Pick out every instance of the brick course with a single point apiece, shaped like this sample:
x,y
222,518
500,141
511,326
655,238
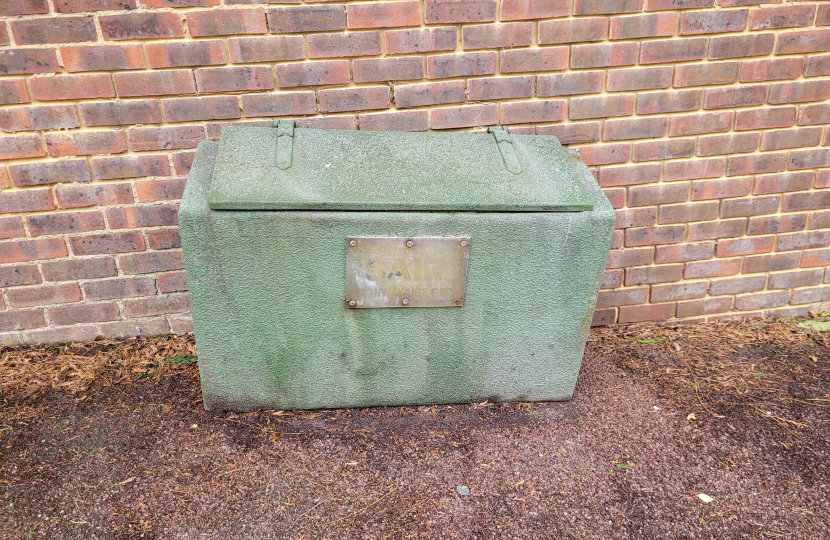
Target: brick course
x,y
705,122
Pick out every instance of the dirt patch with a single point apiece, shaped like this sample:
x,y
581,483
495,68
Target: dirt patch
x,y
120,447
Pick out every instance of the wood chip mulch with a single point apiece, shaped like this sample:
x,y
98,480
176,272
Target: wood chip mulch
x,y
109,440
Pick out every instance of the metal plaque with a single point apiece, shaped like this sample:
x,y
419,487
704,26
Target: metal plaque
x,y
421,271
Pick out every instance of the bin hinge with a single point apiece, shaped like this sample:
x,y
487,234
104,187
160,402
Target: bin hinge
x,y
285,142
508,151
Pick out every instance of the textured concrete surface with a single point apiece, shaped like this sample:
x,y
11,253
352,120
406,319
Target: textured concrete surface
x,y
272,329
371,170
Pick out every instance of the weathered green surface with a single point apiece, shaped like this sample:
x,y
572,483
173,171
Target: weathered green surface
x,y
272,329
370,170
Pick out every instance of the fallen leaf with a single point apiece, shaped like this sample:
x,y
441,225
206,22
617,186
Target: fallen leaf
x,y
705,498
691,417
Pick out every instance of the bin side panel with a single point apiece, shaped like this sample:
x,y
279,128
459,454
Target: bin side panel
x,y
273,331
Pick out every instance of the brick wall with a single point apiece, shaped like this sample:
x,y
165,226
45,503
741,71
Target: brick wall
x,y
705,122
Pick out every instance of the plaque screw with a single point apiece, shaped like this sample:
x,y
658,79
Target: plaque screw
x,y
410,243
463,243
353,243
352,303
405,301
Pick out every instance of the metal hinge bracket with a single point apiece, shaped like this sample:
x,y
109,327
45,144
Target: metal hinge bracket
x,y
508,152
285,142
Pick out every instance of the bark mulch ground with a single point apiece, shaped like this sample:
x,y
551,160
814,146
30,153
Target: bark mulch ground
x,y
109,440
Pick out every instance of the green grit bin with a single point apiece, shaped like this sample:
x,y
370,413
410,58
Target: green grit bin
x,y
268,218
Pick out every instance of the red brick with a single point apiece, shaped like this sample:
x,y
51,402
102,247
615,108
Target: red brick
x,y
86,313
299,19
465,116
32,250
680,291
77,196
61,335
658,194
781,17
741,46
624,297
809,159
165,138
712,230
552,110
661,5
566,84
652,312
154,83
573,31
54,30
417,95
200,108
644,26
640,79
188,53
605,154
745,246
661,150
234,79
818,66
799,278
637,128
685,252
706,306
706,74
697,169
684,213
187,3
538,59
226,22
573,133
15,276
802,41
696,124
501,88
761,301
167,238
628,175
120,113
266,49
313,73
817,257
343,44
44,294
636,217
172,282
489,36
649,236
71,87
157,305
803,240
72,269
810,296
602,106
595,7
388,69
737,285
723,98
453,11
512,10
281,104
670,101
49,172
416,40
384,15
38,117
822,179
673,50
604,55
182,162
732,143
65,223
180,324
12,8
799,92
823,16
818,220
13,91
395,121
713,22
770,263
705,269
151,262
354,99
611,279
461,65
109,289
85,143
771,70
750,207
11,227
81,6
109,168
616,196
148,25
30,200
23,146
758,164
779,183
15,61
775,117
102,57
623,258
777,224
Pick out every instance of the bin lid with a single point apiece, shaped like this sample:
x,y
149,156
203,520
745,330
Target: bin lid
x,y
282,168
